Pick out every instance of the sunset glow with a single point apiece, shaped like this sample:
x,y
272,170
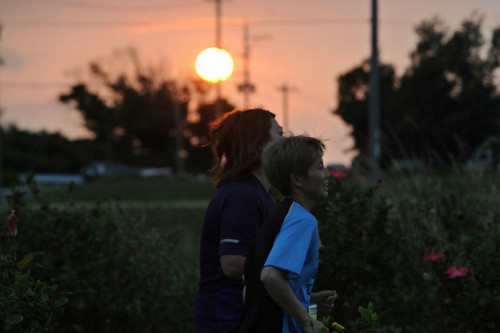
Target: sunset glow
x,y
47,46
214,64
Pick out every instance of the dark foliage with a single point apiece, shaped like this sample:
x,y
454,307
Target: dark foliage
x,y
443,107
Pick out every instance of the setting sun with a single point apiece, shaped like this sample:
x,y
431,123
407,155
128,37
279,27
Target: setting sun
x,y
214,64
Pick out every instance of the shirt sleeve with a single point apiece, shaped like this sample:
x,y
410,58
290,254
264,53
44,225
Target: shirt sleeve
x,y
240,221
291,245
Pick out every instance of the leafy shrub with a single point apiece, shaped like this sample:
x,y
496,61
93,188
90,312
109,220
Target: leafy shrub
x,y
123,276
389,246
377,241
26,304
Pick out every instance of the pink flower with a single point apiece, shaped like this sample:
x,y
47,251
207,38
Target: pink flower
x,y
337,174
456,272
434,256
12,225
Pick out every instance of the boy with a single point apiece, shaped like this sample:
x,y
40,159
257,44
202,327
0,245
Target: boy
x,y
282,266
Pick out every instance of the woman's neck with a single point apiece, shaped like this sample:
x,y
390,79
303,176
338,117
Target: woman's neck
x,y
259,173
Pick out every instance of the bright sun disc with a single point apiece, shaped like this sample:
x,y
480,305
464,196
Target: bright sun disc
x,y
214,64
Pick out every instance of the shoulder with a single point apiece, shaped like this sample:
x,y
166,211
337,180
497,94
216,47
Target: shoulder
x,y
299,220
243,187
297,213
241,194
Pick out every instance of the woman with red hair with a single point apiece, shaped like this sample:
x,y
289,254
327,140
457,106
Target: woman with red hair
x,y
233,217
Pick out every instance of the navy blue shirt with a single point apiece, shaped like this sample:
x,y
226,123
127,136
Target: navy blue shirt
x,y
231,223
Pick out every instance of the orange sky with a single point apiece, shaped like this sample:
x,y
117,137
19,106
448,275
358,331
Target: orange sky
x,y
304,44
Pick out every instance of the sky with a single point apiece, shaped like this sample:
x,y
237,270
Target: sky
x,y
46,45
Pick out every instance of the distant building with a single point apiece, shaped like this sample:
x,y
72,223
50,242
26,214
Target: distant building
x,y
54,179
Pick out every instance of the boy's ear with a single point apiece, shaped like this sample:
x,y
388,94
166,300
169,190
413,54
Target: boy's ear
x,y
295,180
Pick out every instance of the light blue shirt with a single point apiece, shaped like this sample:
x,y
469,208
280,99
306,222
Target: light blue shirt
x,y
296,252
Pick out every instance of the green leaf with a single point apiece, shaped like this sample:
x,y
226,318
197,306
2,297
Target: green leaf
x,y
61,301
25,261
483,301
14,319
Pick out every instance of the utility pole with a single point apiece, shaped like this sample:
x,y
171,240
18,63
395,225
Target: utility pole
x,y
374,105
1,131
218,44
285,89
247,87
179,149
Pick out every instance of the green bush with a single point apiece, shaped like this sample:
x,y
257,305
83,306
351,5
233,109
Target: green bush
x,y
376,239
122,275
26,304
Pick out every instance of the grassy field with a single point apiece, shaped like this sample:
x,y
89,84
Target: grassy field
x,y
147,190
168,204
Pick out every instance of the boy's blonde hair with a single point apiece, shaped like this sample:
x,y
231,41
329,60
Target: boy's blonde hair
x,y
290,155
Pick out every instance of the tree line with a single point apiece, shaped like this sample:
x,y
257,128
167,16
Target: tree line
x,y
444,106
132,116
137,115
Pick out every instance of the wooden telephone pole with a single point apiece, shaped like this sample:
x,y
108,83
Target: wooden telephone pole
x,y
218,44
374,104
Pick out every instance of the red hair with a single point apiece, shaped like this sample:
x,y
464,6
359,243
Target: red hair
x,y
237,139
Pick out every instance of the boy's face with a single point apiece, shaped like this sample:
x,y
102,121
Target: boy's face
x,y
315,186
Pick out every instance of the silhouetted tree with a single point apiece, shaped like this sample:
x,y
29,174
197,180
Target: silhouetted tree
x,y
353,98
132,113
444,105
42,152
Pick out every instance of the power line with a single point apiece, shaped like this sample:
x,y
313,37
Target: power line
x,y
206,25
93,24
317,21
106,6
229,22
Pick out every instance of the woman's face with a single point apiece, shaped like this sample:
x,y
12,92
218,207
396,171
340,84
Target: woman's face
x,y
276,131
